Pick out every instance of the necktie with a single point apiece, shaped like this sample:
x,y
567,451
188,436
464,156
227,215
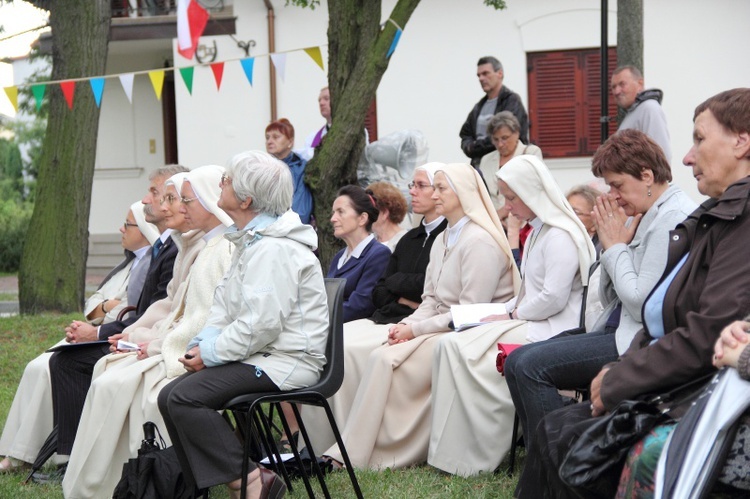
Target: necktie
x,y
157,247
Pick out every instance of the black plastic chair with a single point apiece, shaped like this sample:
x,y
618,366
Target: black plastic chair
x,y
257,428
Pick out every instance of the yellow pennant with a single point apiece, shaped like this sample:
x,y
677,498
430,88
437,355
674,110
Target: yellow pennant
x,y
315,55
157,81
12,93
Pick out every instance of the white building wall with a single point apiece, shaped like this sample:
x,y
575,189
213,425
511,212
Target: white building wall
x,y
691,52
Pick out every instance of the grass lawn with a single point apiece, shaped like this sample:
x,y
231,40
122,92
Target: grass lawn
x,y
23,338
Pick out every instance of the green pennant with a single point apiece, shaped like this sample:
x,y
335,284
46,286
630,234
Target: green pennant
x,y
187,77
38,91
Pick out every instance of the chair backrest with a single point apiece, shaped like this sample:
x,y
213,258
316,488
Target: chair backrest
x,y
333,372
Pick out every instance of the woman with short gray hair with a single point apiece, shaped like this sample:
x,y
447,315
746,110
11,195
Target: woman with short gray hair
x,y
266,330
505,131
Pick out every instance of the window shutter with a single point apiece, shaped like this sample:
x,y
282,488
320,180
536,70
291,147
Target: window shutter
x,y
553,103
565,101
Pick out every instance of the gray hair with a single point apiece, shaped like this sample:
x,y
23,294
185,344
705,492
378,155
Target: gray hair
x,y
265,179
634,71
488,59
167,171
501,119
586,192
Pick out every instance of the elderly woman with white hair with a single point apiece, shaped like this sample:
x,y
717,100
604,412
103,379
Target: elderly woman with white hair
x,y
29,420
472,414
123,393
266,330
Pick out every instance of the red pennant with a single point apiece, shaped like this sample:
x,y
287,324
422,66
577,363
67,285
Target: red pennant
x,y
197,18
218,69
68,89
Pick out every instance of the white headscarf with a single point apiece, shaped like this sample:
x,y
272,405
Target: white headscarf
x,y
430,169
477,205
148,229
205,183
176,180
532,181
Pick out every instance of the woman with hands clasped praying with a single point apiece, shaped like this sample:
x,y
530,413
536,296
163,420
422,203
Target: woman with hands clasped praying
x,y
632,223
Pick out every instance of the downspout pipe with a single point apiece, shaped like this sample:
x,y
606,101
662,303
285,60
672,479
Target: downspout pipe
x,y
271,50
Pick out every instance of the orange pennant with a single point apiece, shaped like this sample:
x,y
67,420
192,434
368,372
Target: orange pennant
x,y
68,89
218,69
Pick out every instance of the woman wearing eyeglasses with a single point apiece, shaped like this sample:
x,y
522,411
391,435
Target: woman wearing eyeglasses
x,y
30,416
505,131
123,393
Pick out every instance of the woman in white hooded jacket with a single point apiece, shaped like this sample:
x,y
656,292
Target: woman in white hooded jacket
x,y
266,331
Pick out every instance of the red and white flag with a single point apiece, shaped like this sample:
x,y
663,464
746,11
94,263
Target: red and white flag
x,y
191,21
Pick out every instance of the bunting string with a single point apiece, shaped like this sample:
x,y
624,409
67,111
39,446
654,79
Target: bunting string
x,y
157,77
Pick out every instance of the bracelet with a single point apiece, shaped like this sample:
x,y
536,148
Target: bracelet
x,y
105,301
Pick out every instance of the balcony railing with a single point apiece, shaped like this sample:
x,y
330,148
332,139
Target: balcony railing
x,y
150,8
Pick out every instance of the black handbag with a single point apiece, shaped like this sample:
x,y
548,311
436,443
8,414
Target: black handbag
x,y
593,463
155,473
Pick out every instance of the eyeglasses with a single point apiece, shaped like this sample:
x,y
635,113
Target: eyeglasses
x,y
128,224
169,199
225,180
188,200
419,186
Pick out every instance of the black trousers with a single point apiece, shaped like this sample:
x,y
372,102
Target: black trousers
x,y
209,451
70,372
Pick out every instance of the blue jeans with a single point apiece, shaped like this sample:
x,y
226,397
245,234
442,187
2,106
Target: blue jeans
x,y
567,362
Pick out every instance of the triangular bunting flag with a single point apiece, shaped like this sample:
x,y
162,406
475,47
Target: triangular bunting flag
x,y
191,21
396,38
12,93
315,55
68,89
38,91
126,80
247,67
218,69
97,86
279,62
157,81
187,77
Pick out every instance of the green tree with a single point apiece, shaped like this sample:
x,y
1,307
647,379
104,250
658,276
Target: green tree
x,y
53,265
357,59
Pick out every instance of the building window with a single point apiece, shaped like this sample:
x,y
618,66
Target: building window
x,y
565,101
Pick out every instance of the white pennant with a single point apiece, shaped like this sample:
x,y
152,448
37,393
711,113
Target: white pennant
x,y
279,62
126,80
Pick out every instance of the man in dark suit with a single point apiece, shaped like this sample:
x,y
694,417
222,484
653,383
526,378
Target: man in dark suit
x,y
71,369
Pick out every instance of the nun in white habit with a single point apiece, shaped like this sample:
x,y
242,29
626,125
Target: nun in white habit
x,y
472,416
123,394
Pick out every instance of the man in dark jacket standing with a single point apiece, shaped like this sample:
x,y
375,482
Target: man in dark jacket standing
x,y
474,139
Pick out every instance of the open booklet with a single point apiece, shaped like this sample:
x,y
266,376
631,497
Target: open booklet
x,y
468,316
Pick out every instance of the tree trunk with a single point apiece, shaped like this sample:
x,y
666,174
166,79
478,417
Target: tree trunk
x,y
629,37
357,48
630,33
53,266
